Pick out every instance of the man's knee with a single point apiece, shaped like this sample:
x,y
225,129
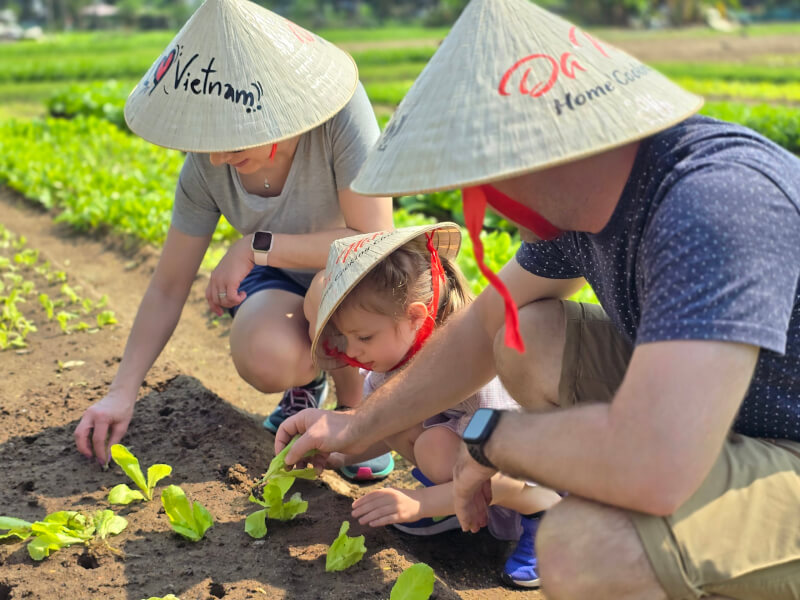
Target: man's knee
x,y
590,550
532,378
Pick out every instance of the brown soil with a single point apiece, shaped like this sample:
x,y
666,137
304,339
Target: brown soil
x,y
195,414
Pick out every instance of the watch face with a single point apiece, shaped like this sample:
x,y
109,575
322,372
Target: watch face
x,y
262,241
474,431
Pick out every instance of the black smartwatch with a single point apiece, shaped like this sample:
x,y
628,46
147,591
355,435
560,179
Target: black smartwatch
x,y
261,245
478,431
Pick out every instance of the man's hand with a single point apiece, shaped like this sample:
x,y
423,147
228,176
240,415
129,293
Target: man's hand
x,y
106,421
222,290
323,430
472,491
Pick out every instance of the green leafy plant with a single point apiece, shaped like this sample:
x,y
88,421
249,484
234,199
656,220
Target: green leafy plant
x,y
70,293
106,317
344,551
191,520
122,494
48,305
63,528
274,485
167,597
415,583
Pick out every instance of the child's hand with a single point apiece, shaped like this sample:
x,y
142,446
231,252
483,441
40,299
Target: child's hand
x,y
387,506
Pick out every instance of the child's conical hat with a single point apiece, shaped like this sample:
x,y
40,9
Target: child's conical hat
x,y
236,76
514,88
351,258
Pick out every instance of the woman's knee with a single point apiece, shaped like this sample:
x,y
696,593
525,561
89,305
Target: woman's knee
x,y
532,377
272,361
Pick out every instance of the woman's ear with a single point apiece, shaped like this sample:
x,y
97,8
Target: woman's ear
x,y
417,312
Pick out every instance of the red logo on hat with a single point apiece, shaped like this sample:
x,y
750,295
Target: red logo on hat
x,y
163,66
566,65
301,34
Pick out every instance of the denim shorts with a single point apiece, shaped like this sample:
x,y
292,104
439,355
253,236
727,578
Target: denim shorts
x,y
267,278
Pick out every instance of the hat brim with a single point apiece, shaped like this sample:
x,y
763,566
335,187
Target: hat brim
x,y
446,241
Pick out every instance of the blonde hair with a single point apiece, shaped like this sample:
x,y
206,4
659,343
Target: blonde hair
x,y
404,277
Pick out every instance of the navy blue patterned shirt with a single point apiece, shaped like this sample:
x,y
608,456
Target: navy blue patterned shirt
x,y
704,244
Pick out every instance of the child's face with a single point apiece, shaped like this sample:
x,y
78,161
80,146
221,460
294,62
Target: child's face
x,y
376,341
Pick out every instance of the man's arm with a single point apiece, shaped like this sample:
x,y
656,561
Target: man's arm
x,y
648,450
456,361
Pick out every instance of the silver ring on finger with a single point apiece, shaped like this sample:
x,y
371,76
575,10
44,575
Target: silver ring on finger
x,y
222,294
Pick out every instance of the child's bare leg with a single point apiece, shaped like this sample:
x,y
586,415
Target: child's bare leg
x,y
521,497
402,443
435,453
349,386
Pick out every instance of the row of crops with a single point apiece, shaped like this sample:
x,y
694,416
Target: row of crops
x,y
98,177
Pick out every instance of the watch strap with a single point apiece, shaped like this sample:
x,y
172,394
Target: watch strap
x,y
260,258
477,453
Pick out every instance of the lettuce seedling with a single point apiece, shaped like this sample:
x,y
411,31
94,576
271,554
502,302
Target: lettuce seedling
x,y
63,528
106,318
191,520
277,466
274,507
344,551
415,583
122,494
274,485
167,597
15,527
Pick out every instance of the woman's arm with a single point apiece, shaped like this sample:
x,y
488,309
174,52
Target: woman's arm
x,y
105,422
362,214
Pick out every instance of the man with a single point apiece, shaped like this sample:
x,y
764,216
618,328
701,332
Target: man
x,y
677,429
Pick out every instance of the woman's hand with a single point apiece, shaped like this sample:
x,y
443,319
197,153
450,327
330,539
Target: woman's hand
x,y
387,506
106,421
223,287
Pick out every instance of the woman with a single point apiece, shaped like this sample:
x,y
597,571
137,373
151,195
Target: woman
x,y
276,125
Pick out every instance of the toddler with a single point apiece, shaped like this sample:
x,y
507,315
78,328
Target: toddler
x,y
383,295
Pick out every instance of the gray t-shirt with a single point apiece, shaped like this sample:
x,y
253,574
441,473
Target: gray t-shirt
x,y
326,160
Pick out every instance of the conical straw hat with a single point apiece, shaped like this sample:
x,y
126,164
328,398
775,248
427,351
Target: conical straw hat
x,y
514,88
351,258
236,76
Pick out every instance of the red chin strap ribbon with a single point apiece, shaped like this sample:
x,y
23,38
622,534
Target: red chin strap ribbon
x,y
424,332
475,200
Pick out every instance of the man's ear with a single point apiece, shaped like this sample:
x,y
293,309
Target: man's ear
x,y
417,312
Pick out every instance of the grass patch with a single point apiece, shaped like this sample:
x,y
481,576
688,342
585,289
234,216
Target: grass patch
x,y
771,92
726,71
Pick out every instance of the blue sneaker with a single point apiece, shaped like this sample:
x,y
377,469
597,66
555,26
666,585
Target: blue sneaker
x,y
520,568
369,470
294,400
427,525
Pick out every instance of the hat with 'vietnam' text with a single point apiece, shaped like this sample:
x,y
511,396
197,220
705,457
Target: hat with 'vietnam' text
x,y
237,76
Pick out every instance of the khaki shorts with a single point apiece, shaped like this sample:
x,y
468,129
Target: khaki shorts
x,y
738,536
